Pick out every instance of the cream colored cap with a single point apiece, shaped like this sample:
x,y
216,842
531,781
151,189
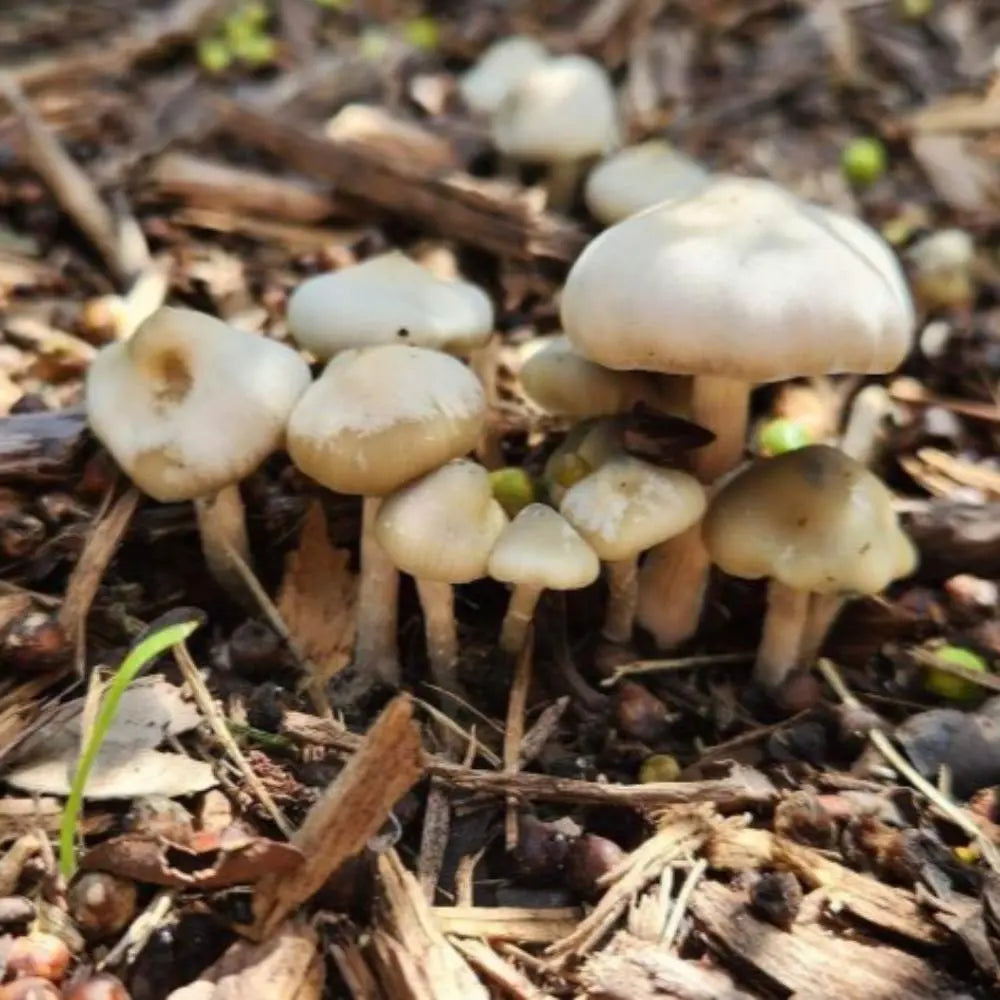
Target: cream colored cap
x,y
743,280
498,69
387,299
564,109
813,519
540,548
638,177
443,526
378,417
629,505
189,404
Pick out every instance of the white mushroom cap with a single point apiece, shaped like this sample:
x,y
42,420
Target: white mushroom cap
x,y
379,417
498,69
189,404
587,446
564,109
561,381
443,526
638,177
629,505
945,250
741,280
540,548
387,299
813,519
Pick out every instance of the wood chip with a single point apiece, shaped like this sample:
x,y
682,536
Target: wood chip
x,y
501,973
509,923
41,447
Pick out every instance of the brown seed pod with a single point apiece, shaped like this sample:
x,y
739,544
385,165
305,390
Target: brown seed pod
x,y
30,988
640,714
102,904
38,954
100,987
589,859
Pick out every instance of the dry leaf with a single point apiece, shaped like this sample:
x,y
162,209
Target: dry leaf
x,y
317,598
288,966
963,179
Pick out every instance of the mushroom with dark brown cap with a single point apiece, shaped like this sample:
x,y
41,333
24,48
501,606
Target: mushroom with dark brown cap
x,y
189,406
819,526
376,419
738,283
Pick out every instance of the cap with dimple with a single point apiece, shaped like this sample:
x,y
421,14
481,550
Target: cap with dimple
x,y
742,280
813,519
381,416
628,505
189,405
498,69
443,526
639,176
540,548
387,299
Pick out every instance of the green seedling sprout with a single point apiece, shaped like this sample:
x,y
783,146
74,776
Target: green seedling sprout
x,y
141,654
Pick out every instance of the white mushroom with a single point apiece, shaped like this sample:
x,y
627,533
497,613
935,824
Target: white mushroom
x,y
497,70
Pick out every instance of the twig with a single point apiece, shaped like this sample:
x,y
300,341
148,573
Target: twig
x,y
469,738
673,924
681,663
514,732
140,930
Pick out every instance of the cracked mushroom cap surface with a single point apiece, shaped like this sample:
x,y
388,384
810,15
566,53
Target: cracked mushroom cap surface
x,y
813,519
378,417
189,404
628,505
443,526
540,548
388,299
740,279
498,69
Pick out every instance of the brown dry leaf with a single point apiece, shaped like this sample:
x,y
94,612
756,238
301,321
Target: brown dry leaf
x,y
288,966
964,179
318,596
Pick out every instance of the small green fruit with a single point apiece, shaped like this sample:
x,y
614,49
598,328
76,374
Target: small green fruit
x,y
422,33
949,686
864,161
780,435
914,10
257,50
214,55
513,489
659,767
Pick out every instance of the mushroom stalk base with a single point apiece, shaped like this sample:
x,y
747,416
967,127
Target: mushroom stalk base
x,y
781,640
561,184
223,530
520,611
375,654
823,611
672,586
438,603
623,598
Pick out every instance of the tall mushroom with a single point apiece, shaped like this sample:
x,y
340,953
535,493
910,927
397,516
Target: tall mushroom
x,y
189,406
440,529
388,299
497,70
820,527
539,550
738,283
375,419
622,509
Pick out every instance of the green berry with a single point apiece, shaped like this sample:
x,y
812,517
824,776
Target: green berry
x,y
780,435
214,55
255,13
258,50
949,686
914,10
373,44
659,767
513,489
864,161
422,33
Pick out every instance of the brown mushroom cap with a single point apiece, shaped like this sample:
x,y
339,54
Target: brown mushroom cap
x,y
813,519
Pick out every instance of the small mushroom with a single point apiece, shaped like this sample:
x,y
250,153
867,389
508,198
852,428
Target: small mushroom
x,y
441,529
585,448
539,550
820,526
375,419
638,177
189,406
563,113
942,265
622,509
388,299
498,69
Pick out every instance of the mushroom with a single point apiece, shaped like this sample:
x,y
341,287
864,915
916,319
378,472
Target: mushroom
x,y
820,526
374,420
738,283
562,113
637,177
585,448
440,529
499,68
189,406
942,265
388,299
539,550
622,509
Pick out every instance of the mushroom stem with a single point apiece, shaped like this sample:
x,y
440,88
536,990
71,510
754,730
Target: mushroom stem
x,y
438,602
623,598
520,611
223,529
561,184
672,586
823,611
378,597
781,640
722,405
